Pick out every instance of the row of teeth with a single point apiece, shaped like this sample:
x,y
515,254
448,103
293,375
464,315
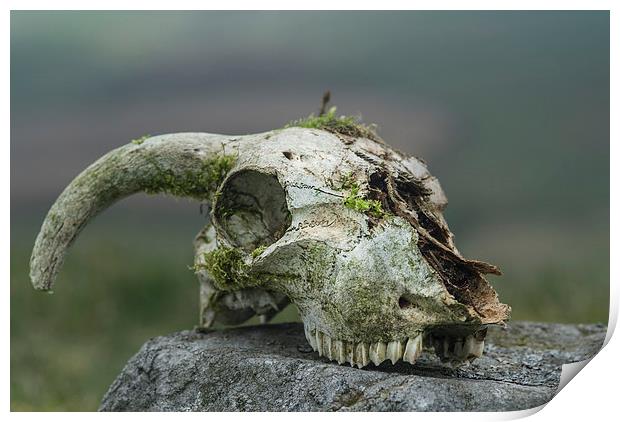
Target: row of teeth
x,y
449,349
361,354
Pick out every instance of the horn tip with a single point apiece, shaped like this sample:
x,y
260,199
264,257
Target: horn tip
x,y
40,280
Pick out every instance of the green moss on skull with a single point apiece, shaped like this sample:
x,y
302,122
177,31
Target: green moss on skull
x,y
199,183
344,125
356,201
256,252
140,140
227,268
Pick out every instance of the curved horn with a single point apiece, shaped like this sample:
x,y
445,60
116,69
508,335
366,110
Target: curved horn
x,y
186,164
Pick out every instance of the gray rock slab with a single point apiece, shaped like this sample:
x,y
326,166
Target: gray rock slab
x,y
272,368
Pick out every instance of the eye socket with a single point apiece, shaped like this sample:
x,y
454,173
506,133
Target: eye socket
x,y
251,210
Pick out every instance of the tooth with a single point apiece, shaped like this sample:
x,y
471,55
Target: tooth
x,y
310,337
350,352
413,349
446,345
348,356
319,342
468,346
339,351
473,347
377,352
458,349
361,355
479,349
395,350
356,358
327,346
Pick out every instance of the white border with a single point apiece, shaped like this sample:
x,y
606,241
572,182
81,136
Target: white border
x,y
314,5
592,394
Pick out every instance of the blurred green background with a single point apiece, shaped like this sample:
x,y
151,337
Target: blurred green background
x,y
510,110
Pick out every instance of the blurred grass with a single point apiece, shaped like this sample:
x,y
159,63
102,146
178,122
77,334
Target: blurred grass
x,y
124,283
120,286
112,295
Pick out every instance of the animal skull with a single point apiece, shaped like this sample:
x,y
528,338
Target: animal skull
x,y
348,229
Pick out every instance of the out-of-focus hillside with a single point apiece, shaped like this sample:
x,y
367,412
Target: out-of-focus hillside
x,y
510,110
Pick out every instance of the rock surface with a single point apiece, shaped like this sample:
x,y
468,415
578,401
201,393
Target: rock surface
x,y
272,368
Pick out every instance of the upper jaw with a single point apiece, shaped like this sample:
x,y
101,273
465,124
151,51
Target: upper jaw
x,y
455,349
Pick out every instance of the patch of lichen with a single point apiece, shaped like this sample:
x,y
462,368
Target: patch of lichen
x,y
227,268
344,125
358,202
200,182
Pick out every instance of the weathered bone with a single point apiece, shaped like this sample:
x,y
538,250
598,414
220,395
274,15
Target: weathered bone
x,y
172,163
345,227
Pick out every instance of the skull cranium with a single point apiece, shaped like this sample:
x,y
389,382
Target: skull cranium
x,y
348,229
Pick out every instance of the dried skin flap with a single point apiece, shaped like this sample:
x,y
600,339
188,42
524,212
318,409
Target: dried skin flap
x,y
409,198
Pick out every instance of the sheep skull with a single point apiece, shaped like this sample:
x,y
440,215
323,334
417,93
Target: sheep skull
x,y
345,227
